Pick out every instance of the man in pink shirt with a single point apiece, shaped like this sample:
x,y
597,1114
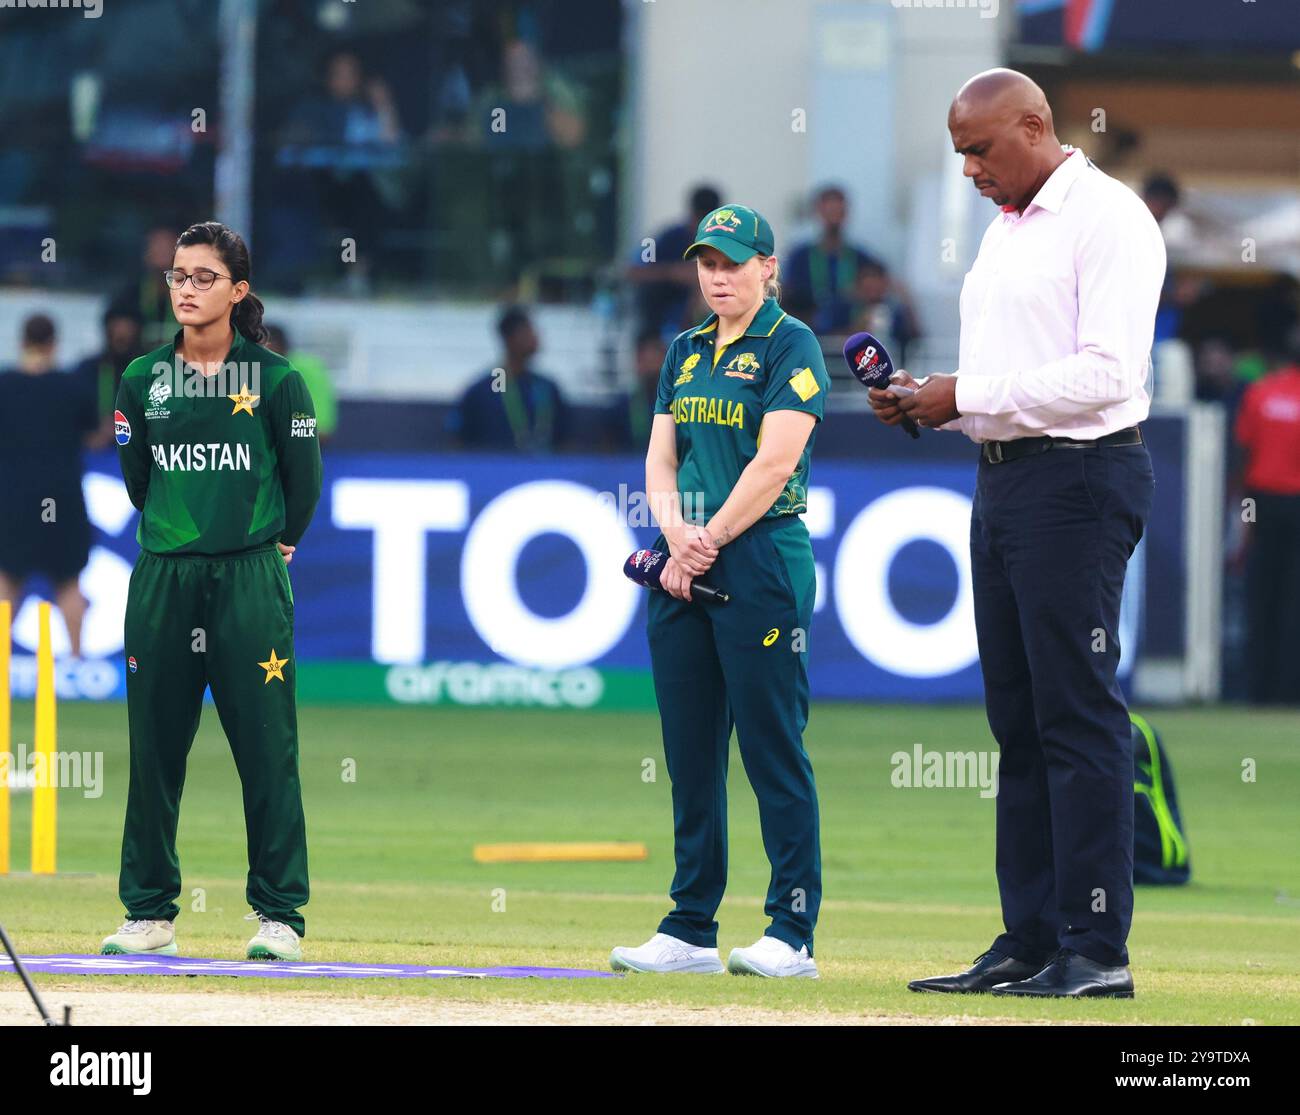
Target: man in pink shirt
x,y
1057,316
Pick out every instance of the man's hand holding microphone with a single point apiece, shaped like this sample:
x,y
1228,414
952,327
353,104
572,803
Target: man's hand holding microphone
x,y
897,398
929,404
886,403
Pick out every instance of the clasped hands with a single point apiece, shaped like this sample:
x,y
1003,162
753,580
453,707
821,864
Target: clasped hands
x,y
691,552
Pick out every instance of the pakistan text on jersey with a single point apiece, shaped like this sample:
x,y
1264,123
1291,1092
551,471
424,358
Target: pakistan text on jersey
x,y
211,456
720,412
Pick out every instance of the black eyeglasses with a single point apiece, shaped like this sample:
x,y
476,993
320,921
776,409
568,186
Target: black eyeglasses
x,y
200,280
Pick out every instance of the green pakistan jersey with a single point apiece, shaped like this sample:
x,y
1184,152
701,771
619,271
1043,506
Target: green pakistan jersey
x,y
218,464
718,395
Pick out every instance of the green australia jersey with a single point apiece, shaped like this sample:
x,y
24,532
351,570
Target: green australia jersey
x,y
220,463
718,396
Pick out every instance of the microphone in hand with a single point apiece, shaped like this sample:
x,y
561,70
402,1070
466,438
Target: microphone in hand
x,y
869,361
645,567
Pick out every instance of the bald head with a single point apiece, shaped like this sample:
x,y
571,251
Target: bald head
x,y
1002,93
1001,122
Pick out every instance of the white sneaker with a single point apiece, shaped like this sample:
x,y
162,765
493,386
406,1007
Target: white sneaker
x,y
769,957
663,953
138,936
274,940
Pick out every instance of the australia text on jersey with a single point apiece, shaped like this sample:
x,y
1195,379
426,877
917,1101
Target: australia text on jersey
x,y
698,408
184,381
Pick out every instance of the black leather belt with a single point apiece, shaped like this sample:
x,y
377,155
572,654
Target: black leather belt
x,y
997,452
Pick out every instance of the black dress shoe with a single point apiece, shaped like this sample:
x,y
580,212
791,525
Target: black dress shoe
x,y
1071,976
990,968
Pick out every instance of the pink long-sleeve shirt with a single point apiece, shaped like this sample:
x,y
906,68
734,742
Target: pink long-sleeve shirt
x,y
1058,312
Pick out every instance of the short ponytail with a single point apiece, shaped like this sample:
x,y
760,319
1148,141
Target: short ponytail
x,y
246,314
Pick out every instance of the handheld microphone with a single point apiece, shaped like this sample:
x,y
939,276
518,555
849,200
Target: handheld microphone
x,y
645,567
870,363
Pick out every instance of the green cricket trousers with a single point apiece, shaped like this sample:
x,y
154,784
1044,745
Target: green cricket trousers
x,y
225,622
741,664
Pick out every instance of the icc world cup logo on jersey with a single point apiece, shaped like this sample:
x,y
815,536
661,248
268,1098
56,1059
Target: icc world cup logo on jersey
x,y
159,392
687,365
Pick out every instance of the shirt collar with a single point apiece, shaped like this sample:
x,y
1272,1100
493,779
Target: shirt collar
x,y
769,316
1051,196
235,345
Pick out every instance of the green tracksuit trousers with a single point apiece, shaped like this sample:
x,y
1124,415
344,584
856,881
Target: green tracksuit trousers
x,y
741,664
224,622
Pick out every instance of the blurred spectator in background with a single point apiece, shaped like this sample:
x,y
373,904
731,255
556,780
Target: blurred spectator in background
x,y
667,284
529,120
319,385
881,308
541,109
100,374
1268,434
147,291
512,407
349,140
628,427
1277,311
820,277
1161,194
45,530
353,115
357,112
1216,373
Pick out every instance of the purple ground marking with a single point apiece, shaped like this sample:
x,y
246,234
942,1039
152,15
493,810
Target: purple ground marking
x,y
72,965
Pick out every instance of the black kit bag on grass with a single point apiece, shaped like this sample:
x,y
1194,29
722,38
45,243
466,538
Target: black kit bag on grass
x,y
1160,855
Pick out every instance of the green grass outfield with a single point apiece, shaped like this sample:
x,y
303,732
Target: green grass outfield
x,y
909,886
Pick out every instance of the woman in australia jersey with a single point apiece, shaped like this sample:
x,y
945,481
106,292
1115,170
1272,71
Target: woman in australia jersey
x,y
217,441
727,478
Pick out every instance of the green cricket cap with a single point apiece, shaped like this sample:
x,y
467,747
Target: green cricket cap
x,y
737,231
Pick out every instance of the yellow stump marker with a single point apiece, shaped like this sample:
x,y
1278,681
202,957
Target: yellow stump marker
x,y
5,768
558,853
44,813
